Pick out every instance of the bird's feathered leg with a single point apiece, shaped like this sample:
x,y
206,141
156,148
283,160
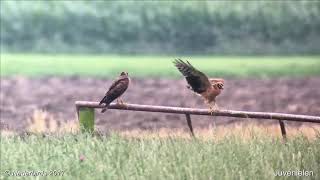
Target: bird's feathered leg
x,y
210,106
104,109
121,102
213,107
103,102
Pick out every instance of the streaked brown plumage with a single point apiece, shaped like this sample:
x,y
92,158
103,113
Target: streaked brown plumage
x,y
117,88
198,82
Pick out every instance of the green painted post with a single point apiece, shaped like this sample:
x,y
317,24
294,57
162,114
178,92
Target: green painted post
x,y
86,119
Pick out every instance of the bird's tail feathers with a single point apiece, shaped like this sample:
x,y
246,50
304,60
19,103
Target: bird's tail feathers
x,y
105,101
104,109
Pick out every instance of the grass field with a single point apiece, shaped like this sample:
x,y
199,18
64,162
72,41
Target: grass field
x,y
157,66
116,157
128,156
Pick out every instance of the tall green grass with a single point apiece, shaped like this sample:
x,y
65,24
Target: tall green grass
x,y
157,66
116,157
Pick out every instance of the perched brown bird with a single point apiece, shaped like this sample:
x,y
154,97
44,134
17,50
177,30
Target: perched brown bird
x,y
117,88
198,82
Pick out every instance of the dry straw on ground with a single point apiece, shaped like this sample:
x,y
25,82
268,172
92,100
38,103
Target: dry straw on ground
x,y
43,122
245,131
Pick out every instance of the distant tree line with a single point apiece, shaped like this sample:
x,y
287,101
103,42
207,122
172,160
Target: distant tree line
x,y
170,27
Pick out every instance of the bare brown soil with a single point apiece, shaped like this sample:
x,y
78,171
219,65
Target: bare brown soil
x,y
21,96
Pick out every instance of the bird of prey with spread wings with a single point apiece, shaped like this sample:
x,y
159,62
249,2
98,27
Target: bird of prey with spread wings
x,y
198,82
118,87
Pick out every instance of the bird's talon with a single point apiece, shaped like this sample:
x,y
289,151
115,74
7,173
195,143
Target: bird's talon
x,y
213,109
119,101
122,103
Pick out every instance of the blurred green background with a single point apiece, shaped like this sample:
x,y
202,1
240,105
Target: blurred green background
x,y
270,38
168,27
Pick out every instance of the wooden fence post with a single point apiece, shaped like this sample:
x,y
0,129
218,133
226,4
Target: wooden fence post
x,y
283,129
189,124
86,119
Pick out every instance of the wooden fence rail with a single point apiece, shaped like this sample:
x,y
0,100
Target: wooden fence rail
x,y
85,111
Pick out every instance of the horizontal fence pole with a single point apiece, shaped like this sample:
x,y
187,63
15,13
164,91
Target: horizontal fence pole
x,y
181,110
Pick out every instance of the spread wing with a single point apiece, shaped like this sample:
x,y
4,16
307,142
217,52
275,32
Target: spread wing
x,y
195,78
117,88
